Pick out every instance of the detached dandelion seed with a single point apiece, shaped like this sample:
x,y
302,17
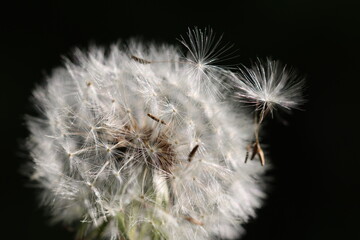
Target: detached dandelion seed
x,y
144,143
267,85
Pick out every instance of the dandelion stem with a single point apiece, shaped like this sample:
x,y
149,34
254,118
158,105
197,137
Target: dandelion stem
x,y
122,227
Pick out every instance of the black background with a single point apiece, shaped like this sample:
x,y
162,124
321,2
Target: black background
x,y
315,192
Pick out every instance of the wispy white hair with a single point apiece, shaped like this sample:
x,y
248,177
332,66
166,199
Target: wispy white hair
x,y
269,84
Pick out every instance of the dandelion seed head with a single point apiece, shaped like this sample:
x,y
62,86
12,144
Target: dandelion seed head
x,y
137,141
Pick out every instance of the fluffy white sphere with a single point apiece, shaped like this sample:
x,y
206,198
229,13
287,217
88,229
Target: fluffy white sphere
x,y
143,143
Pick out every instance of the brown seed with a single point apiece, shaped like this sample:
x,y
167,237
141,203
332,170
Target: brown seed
x,y
140,60
192,153
193,221
156,119
256,151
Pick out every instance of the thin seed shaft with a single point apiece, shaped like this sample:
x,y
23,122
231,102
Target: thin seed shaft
x,y
256,148
248,149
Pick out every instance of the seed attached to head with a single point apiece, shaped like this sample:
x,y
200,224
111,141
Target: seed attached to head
x,y
156,119
192,153
140,60
193,221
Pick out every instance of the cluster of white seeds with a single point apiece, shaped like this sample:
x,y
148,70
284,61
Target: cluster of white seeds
x,y
146,143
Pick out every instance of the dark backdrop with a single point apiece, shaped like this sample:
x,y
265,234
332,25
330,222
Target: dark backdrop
x,y
315,191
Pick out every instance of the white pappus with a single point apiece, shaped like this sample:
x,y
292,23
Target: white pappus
x,y
145,143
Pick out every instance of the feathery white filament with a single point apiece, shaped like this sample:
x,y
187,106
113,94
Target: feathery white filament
x,y
268,84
